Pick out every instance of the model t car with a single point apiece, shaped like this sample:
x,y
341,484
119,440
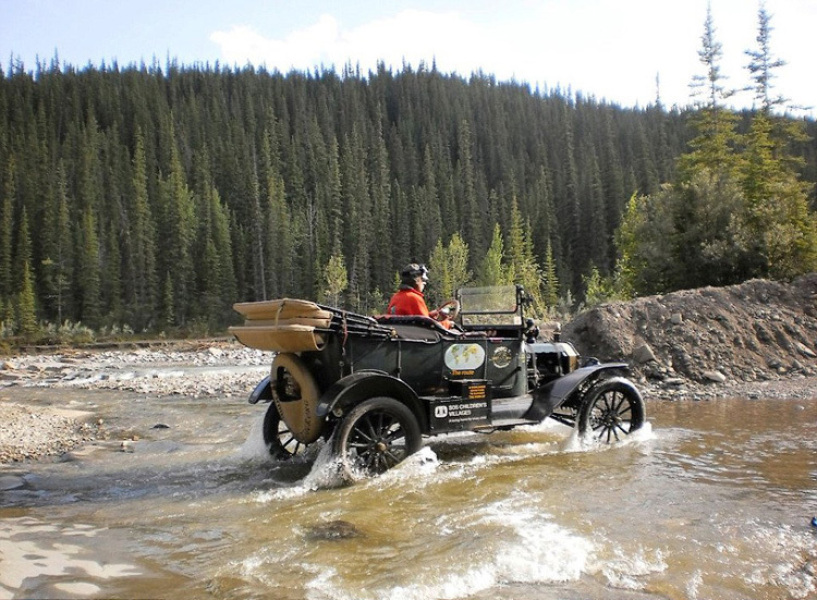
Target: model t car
x,y
373,387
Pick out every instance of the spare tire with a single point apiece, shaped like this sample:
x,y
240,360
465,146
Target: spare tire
x,y
296,396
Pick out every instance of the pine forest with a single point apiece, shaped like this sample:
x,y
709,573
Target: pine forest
x,y
151,198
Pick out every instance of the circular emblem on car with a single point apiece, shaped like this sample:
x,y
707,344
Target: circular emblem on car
x,y
502,357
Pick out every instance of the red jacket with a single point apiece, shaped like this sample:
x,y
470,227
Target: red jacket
x,y
408,302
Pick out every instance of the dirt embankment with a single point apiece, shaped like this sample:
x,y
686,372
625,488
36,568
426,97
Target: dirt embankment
x,y
758,331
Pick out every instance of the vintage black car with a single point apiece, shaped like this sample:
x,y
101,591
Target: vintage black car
x,y
372,387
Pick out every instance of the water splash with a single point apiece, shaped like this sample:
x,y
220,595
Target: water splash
x,y
523,546
578,443
254,447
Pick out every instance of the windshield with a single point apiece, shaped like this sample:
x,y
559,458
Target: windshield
x,y
489,305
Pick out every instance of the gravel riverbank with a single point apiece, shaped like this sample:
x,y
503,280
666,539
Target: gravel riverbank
x,y
221,369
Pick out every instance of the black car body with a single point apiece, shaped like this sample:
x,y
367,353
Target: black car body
x,y
376,386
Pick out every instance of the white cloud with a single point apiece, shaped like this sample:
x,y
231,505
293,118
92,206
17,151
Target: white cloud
x,y
411,35
301,49
554,45
606,49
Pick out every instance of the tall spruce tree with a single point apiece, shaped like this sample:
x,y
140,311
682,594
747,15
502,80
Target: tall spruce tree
x,y
713,146
449,269
179,221
492,270
87,271
522,267
143,280
779,228
7,221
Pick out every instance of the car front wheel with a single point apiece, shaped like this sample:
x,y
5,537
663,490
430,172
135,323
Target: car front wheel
x,y
374,436
612,410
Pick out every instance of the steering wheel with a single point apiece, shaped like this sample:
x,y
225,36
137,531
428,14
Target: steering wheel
x,y
449,310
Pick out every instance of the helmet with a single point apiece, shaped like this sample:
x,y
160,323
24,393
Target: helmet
x,y
412,271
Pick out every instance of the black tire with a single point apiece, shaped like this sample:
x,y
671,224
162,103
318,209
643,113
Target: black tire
x,y
612,409
376,435
280,440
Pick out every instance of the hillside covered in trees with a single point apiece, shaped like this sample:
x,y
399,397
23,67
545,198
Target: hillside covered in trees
x,y
153,197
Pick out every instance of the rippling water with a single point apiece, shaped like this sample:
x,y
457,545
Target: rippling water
x,y
710,500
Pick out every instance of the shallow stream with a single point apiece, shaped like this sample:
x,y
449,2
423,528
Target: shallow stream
x,y
710,500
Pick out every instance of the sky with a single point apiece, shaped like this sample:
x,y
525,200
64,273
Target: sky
x,y
626,52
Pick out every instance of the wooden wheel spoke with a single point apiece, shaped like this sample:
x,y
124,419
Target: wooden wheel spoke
x,y
376,435
369,437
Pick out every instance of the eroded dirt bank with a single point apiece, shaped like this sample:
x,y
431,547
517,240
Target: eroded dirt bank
x,y
758,331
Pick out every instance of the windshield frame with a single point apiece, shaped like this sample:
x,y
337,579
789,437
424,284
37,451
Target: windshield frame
x,y
484,306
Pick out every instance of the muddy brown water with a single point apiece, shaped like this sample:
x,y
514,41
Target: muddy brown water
x,y
710,500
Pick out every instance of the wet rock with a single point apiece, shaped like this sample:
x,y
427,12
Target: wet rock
x,y
333,530
11,482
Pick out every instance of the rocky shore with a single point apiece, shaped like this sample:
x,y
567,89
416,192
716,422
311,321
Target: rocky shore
x,y
222,369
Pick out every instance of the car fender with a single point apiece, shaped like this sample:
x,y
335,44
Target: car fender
x,y
262,391
559,391
362,385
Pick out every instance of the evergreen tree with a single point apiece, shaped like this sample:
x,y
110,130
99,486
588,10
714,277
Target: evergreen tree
x,y
87,275
596,289
7,203
763,65
521,266
57,260
26,308
336,279
179,220
449,268
473,216
714,144
551,280
143,293
492,271
779,228
360,235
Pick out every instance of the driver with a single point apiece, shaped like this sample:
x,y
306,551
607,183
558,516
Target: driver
x,y
409,299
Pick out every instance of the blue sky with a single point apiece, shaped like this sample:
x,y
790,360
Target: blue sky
x,y
610,49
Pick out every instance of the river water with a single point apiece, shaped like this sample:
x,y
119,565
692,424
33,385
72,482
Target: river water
x,y
710,500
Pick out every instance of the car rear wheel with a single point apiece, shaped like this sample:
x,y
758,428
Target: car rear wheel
x,y
278,437
612,410
374,436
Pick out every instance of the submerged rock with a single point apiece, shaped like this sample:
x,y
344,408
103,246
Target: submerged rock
x,y
333,530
